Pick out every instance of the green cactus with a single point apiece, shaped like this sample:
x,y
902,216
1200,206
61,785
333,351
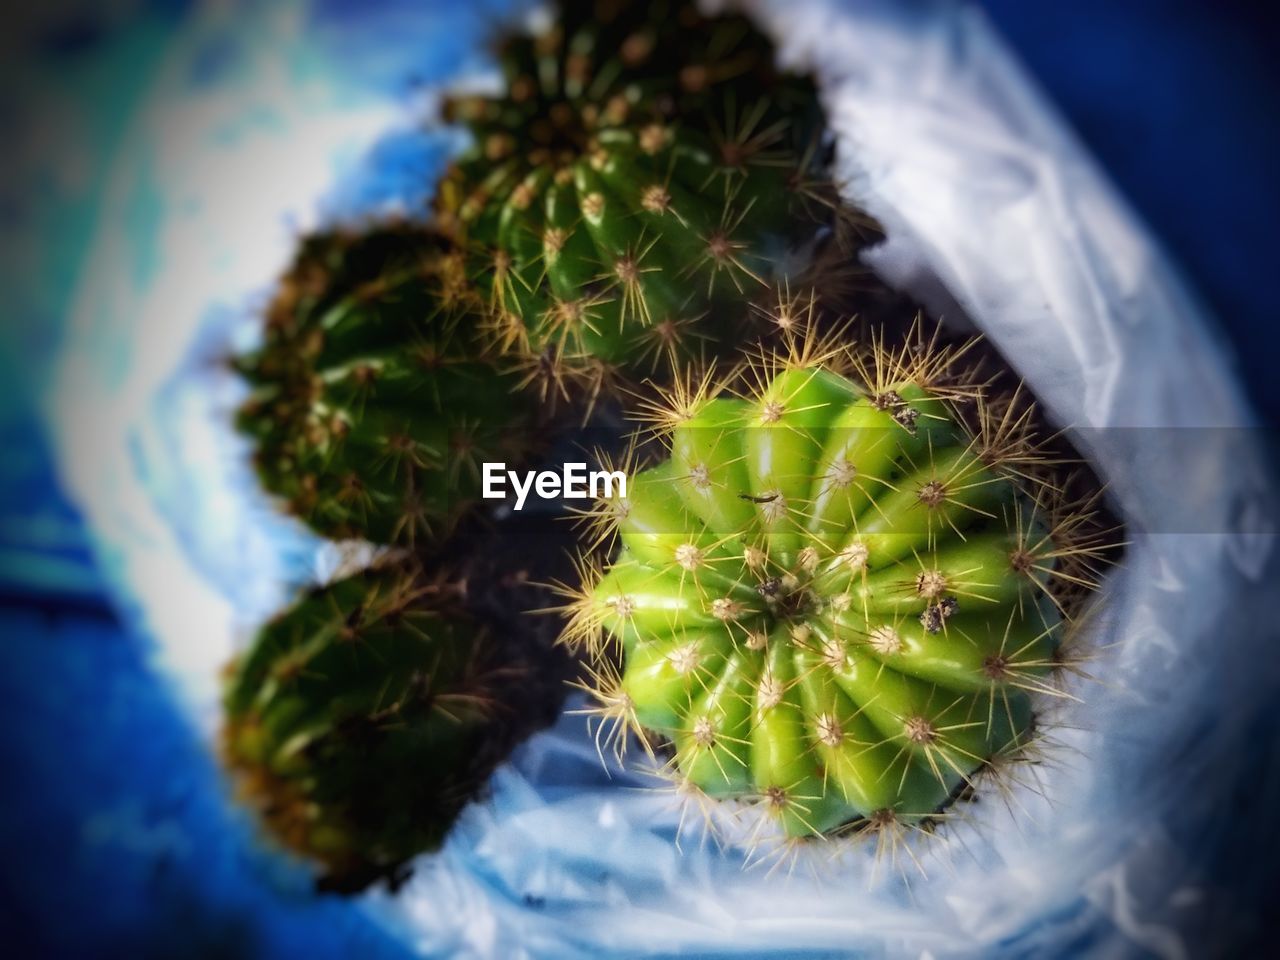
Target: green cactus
x,y
647,172
374,398
363,719
833,599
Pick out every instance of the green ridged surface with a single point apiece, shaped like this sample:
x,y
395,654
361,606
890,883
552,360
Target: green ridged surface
x,y
643,177
375,398
361,721
829,602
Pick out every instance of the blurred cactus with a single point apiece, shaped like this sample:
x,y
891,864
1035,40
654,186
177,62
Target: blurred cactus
x,y
374,397
364,718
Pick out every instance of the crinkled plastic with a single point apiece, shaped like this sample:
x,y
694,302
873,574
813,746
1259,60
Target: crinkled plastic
x,y
996,217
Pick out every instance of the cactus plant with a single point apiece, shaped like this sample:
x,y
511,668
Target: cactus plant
x,y
645,174
363,719
833,598
374,396
839,597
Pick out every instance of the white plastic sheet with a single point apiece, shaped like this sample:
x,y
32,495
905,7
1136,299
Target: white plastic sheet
x,y
997,217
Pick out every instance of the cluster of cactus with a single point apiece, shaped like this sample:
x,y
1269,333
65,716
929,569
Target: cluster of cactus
x,y
833,599
837,597
646,173
374,398
364,718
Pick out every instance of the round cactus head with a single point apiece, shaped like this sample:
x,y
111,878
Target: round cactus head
x,y
645,174
363,719
374,398
833,599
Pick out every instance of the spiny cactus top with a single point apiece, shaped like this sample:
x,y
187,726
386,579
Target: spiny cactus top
x,y
832,599
375,399
645,172
363,719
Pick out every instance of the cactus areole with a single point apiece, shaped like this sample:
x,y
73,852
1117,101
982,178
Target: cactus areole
x,y
831,600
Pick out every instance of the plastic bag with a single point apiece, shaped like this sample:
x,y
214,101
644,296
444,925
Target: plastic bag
x,y
995,216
